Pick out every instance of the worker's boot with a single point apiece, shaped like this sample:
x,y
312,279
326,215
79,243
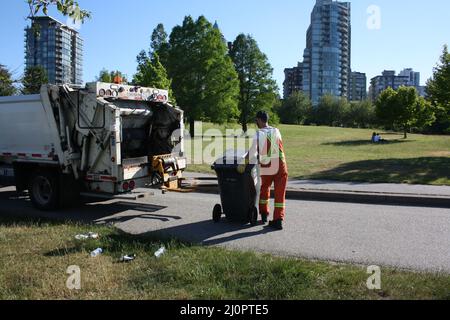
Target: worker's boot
x,y
277,224
264,218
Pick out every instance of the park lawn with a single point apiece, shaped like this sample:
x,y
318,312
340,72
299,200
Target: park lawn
x,y
36,255
343,154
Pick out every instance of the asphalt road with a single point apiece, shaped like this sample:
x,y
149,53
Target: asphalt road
x,y
405,237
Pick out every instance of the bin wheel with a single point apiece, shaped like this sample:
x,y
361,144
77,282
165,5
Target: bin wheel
x,y
217,213
253,216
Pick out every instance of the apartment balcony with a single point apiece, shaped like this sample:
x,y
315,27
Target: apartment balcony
x,y
344,12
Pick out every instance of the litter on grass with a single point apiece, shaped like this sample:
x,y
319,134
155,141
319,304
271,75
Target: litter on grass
x,y
90,235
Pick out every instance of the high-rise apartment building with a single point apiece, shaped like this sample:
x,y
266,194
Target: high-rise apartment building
x,y
57,48
388,79
357,87
414,77
327,57
293,80
407,78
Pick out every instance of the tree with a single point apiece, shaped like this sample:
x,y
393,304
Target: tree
x,y
257,88
360,114
160,44
438,92
66,7
112,76
297,109
404,109
151,73
104,76
203,76
6,83
331,111
34,77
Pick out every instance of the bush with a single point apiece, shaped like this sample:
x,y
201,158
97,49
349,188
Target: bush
x,y
297,109
360,114
331,111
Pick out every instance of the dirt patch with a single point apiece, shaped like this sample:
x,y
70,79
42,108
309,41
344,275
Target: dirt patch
x,y
439,154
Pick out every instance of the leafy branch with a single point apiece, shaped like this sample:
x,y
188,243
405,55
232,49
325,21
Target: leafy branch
x,y
69,8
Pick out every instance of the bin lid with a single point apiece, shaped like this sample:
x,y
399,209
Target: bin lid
x,y
230,160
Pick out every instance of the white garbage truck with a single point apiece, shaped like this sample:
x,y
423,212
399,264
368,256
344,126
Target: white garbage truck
x,y
103,139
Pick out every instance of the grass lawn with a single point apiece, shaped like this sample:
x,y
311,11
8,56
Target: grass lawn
x,y
36,255
348,155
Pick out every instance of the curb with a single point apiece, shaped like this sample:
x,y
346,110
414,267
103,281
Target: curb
x,y
369,198
411,200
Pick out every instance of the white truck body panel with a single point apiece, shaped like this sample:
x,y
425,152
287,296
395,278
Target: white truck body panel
x,y
25,131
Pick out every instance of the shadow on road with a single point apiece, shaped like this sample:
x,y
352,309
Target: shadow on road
x,y
18,207
88,211
209,233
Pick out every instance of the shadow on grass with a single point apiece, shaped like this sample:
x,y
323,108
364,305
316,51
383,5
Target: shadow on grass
x,y
425,170
9,221
355,143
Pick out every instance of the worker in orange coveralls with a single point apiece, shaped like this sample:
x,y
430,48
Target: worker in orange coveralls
x,y
267,151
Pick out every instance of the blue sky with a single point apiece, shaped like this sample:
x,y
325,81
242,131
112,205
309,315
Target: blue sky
x,y
412,32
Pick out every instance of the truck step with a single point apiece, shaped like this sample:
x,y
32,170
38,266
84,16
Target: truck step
x,y
136,195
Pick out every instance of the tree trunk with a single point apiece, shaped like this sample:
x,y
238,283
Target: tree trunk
x,y
192,128
244,127
406,134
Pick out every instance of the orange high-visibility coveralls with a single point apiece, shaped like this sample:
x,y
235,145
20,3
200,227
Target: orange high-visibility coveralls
x,y
271,157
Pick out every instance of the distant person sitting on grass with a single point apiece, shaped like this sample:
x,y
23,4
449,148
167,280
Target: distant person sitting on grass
x,y
378,139
374,135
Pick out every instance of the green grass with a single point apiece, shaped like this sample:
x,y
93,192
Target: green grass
x,y
348,155
36,254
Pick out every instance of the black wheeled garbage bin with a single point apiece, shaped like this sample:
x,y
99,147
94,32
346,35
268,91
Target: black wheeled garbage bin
x,y
237,192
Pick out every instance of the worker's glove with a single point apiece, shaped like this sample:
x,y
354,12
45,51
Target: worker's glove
x,y
241,167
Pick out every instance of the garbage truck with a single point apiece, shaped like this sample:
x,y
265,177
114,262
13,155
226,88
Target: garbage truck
x,y
101,138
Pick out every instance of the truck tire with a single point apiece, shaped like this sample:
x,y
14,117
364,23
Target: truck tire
x,y
44,190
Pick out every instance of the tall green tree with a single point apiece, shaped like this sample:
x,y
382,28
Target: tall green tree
x,y
160,44
203,77
6,82
438,92
151,73
151,70
297,109
404,109
257,88
34,77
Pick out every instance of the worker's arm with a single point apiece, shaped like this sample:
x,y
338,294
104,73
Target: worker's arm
x,y
251,156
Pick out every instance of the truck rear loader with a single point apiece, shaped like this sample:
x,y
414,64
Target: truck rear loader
x,y
102,139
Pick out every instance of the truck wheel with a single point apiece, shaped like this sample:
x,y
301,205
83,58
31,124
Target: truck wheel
x,y
217,213
253,216
44,190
